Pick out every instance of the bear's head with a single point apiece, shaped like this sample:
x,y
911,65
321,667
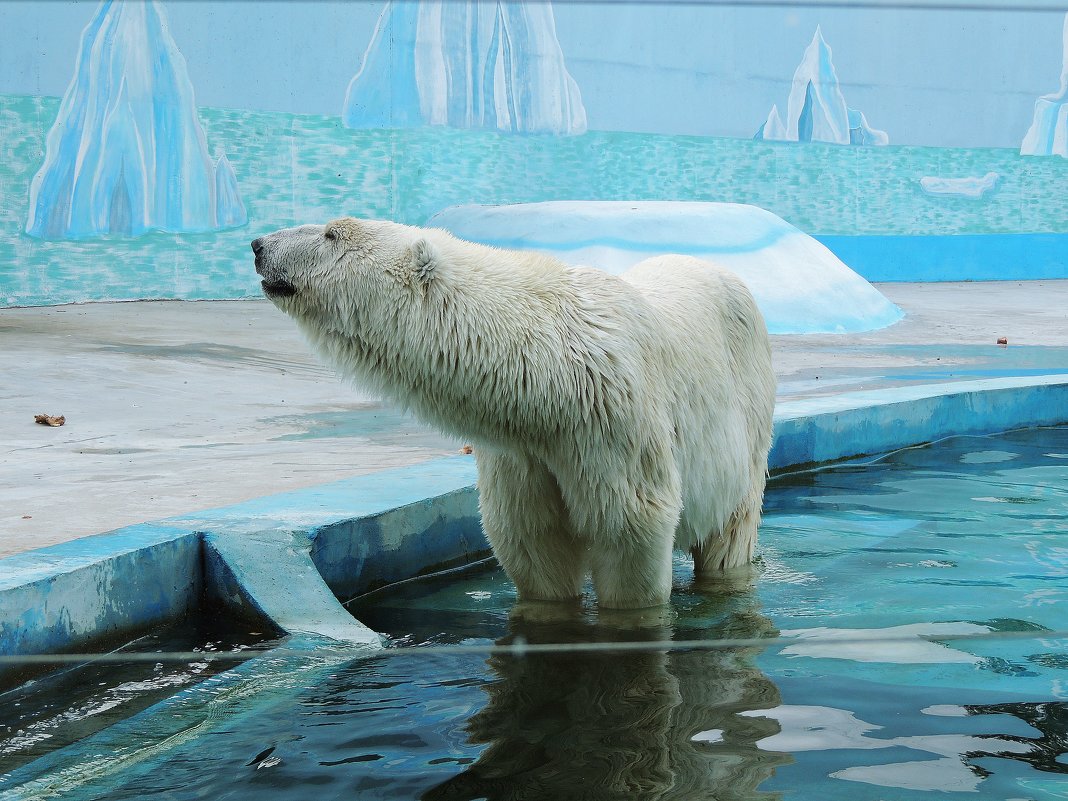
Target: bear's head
x,y
343,270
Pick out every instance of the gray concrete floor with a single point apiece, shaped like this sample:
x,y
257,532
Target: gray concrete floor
x,y
174,407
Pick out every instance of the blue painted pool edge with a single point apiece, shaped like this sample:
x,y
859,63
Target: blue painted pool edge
x,y
96,590
842,426
956,257
371,530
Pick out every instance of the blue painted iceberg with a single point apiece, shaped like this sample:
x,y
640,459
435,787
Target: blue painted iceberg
x,y
816,110
800,286
229,210
1048,134
126,153
465,64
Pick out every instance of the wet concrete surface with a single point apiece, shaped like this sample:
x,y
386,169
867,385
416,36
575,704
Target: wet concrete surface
x,y
175,407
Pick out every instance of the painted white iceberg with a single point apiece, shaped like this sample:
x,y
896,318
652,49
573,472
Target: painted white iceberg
x,y
773,128
1048,134
229,210
973,187
465,64
800,286
816,110
126,153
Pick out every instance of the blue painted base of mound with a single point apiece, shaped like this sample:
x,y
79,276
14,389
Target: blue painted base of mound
x,y
964,257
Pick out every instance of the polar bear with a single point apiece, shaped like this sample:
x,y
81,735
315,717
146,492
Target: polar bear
x,y
614,419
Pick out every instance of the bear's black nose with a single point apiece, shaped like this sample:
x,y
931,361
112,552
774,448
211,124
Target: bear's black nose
x,y
257,246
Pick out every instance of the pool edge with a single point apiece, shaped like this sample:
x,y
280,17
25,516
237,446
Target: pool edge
x,y
370,530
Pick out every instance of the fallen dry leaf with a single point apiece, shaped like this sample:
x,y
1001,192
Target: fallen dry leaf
x,y
49,420
466,449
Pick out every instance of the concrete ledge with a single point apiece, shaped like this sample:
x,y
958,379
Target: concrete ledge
x,y
442,531
234,572
372,530
96,590
859,423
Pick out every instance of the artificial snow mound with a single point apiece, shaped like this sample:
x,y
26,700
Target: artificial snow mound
x,y
800,286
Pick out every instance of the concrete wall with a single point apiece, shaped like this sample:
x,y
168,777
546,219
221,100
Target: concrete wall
x,y
153,185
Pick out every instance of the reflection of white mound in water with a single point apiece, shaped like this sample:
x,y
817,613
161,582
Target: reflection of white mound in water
x,y
899,645
126,153
821,728
800,286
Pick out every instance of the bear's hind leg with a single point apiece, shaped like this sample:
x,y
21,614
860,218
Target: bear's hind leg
x,y
526,523
735,545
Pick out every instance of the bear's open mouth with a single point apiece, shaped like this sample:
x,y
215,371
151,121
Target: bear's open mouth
x,y
277,288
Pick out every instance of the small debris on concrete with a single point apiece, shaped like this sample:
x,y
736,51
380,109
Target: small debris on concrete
x,y
49,420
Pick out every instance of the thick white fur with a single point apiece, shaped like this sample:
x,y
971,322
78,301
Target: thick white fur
x,y
613,419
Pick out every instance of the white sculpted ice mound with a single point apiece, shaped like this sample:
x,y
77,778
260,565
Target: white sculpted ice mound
x,y
800,286
126,153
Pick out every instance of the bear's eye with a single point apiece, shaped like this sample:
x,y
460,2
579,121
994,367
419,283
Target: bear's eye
x,y
330,234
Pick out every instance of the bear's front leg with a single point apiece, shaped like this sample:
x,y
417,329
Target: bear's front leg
x,y
525,521
633,570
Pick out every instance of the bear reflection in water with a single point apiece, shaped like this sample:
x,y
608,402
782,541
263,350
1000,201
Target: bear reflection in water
x,y
612,724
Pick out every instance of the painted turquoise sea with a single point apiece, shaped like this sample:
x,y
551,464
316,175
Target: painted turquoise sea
x,y
301,168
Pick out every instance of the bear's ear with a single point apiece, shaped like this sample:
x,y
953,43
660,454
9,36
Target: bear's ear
x,y
424,261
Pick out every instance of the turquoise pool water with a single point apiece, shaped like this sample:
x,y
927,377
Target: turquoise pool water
x,y
921,601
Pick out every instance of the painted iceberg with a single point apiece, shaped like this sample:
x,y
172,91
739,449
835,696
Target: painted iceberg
x,y
1048,134
229,210
465,64
971,187
816,110
800,286
126,153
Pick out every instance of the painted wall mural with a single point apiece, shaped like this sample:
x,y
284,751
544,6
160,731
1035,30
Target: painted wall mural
x,y
126,152
466,65
816,110
912,154
1048,134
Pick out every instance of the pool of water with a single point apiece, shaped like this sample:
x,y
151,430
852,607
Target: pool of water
x,y
920,604
61,707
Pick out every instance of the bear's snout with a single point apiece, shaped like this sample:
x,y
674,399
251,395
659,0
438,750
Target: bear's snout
x,y
274,284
